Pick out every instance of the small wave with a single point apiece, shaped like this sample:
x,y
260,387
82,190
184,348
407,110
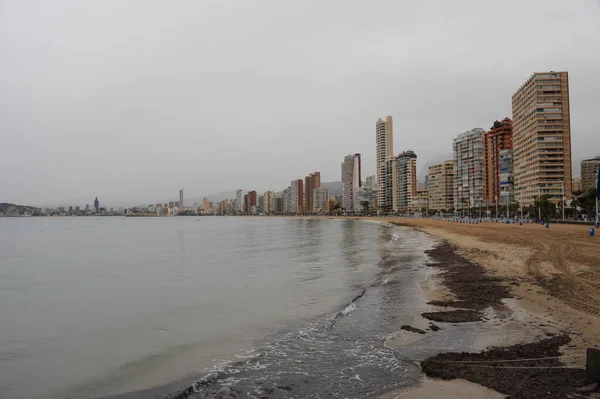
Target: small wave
x,y
349,309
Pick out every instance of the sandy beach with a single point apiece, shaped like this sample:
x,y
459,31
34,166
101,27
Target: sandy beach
x,y
553,278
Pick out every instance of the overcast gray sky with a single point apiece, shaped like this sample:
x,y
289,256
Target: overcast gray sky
x,y
131,100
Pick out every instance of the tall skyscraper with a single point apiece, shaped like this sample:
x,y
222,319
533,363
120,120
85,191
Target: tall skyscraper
x,y
97,205
469,165
589,172
542,137
384,133
406,177
297,196
239,201
181,199
351,180
440,185
311,182
498,151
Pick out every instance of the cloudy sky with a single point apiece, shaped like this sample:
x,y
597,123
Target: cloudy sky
x,y
131,100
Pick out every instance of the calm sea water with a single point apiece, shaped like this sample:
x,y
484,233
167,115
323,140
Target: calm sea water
x,y
97,307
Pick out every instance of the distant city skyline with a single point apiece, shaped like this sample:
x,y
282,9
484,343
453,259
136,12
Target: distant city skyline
x,y
207,103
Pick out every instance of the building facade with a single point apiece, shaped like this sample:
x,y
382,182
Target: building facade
x,y
286,201
297,196
384,134
181,199
239,201
577,188
311,182
498,163
506,177
319,202
589,172
250,201
469,166
365,198
542,137
371,182
390,187
440,185
351,180
420,201
268,197
277,206
406,180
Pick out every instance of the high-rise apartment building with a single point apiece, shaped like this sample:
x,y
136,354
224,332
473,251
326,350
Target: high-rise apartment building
x,y
542,137
239,201
320,195
261,204
206,204
406,180
286,200
252,200
589,172
371,182
499,187
276,206
268,202
181,198
351,180
390,187
384,133
297,196
469,166
311,182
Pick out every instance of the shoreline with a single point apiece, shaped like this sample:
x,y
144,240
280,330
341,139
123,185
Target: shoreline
x,y
537,266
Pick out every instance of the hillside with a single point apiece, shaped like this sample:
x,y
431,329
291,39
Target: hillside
x,y
16,210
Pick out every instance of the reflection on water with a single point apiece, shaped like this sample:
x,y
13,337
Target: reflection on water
x,y
156,300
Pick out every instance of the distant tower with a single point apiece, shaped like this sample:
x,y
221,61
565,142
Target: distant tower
x,y
181,199
97,204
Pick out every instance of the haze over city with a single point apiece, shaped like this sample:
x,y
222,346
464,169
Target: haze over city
x,y
132,101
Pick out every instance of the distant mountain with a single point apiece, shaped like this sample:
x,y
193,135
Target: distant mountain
x,y
16,210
